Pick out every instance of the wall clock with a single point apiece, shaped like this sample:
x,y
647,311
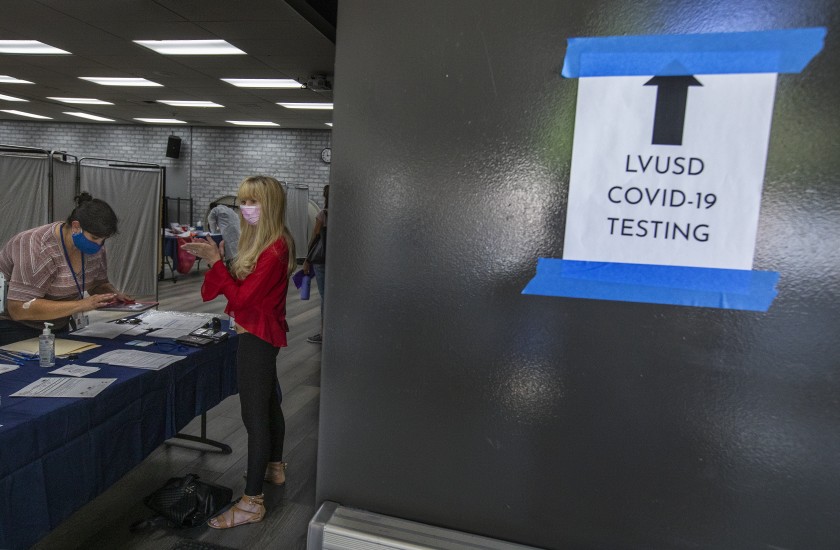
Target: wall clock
x,y
326,155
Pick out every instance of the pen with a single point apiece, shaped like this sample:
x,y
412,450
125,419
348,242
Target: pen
x,y
18,354
11,359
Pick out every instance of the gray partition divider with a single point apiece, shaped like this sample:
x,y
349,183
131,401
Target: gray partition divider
x,y
297,198
135,192
64,184
25,174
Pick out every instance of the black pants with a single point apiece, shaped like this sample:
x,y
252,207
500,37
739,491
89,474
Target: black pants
x,y
260,397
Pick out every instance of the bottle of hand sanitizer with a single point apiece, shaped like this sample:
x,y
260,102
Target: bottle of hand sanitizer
x,y
46,347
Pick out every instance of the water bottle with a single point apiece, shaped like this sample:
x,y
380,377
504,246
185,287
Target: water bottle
x,y
46,347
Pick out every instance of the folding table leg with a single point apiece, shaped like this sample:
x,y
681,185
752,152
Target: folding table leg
x,y
224,449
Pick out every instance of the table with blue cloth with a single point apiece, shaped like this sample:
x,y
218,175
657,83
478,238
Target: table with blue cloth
x,y
170,252
57,454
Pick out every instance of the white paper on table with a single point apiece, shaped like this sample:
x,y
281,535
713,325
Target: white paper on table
x,y
170,332
75,370
7,368
65,387
103,330
138,330
141,343
136,359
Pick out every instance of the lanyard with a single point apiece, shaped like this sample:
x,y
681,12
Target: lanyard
x,y
81,289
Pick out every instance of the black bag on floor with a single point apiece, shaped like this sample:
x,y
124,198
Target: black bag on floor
x,y
187,501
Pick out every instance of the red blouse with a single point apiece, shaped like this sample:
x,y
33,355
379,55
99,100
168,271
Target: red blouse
x,y
258,302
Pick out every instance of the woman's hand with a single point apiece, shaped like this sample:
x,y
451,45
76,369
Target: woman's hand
x,y
95,301
123,298
205,249
306,267
41,309
109,290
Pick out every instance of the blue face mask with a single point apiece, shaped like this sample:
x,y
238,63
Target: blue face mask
x,y
85,245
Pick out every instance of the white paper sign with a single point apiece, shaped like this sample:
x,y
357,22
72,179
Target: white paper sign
x,y
647,187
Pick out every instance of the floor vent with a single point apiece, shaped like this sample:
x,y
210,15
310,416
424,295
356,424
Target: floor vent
x,y
335,527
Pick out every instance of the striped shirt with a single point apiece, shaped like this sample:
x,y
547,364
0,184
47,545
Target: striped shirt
x,y
34,265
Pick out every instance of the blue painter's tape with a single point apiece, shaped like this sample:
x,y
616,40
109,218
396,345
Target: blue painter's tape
x,y
780,51
655,284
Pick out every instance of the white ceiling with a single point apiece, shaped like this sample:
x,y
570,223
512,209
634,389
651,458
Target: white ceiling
x,y
280,43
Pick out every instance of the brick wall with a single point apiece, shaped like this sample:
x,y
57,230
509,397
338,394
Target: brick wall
x,y
214,160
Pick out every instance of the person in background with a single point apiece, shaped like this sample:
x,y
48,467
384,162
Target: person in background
x,y
49,269
223,219
319,268
255,286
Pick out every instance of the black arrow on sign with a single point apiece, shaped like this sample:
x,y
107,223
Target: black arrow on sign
x,y
671,95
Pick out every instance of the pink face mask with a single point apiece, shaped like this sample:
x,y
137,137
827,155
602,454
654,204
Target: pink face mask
x,y
250,213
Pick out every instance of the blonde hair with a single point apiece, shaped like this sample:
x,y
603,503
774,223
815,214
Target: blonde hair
x,y
254,239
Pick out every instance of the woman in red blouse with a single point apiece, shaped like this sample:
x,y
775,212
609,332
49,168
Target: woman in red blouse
x,y
255,287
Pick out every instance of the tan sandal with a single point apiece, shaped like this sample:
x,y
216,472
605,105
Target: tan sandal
x,y
276,473
247,510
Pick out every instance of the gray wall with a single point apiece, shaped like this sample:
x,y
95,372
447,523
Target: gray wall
x,y
451,399
212,163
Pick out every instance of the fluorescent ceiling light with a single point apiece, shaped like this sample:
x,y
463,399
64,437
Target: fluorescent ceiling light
x,y
111,81
307,105
328,124
81,100
28,46
91,117
252,123
24,113
11,98
6,79
161,120
264,82
176,103
191,47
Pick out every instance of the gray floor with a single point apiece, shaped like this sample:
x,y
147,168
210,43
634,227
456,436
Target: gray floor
x,y
104,522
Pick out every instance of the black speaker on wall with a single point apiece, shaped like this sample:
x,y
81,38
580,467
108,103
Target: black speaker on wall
x,y
173,147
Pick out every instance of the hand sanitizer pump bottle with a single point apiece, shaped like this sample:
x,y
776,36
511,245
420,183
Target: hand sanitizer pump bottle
x,y
46,347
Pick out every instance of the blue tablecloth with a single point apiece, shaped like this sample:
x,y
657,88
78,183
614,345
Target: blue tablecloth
x,y
57,454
